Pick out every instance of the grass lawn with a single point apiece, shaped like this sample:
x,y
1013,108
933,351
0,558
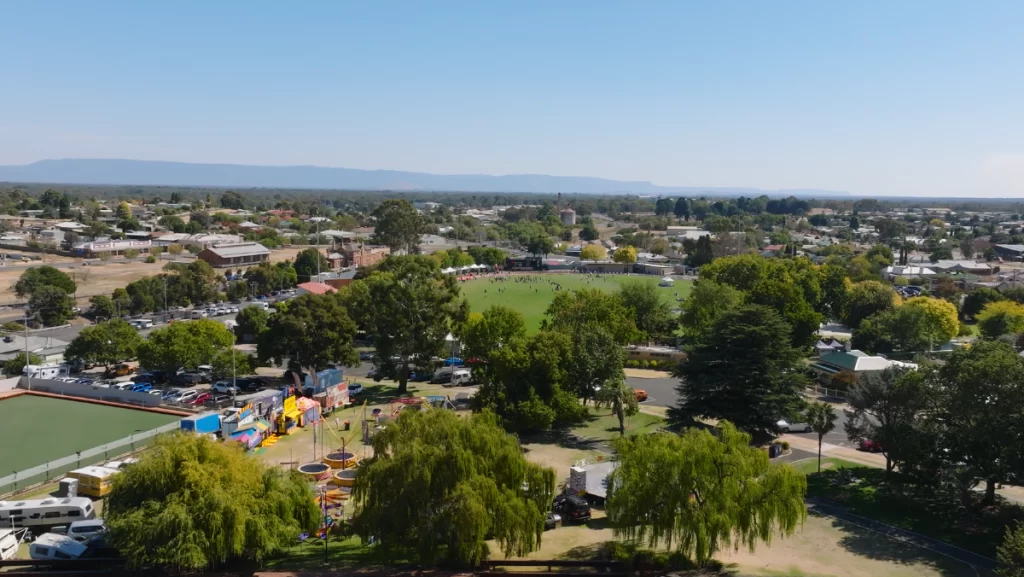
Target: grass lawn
x,y
341,552
604,426
924,511
808,466
532,298
40,429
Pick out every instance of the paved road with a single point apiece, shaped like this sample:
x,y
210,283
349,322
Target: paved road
x,y
662,393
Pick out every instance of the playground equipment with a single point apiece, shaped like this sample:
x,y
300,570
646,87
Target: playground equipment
x,y
336,496
315,471
345,478
377,420
340,460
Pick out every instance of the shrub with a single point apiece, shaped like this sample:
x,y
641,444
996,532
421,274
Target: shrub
x,y
785,445
131,253
13,327
150,259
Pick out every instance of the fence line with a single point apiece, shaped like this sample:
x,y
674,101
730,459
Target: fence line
x,y
825,392
58,467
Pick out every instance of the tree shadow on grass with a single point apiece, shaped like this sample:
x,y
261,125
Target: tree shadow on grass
x,y
566,440
873,545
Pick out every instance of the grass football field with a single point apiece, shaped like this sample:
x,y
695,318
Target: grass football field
x,y
35,430
531,294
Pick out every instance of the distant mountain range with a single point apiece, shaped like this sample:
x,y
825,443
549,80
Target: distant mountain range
x,y
160,173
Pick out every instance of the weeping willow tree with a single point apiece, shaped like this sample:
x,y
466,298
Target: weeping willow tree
x,y
700,493
193,504
440,485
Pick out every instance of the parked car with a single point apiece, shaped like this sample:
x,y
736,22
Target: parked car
x,y
82,531
151,377
366,355
225,387
142,388
552,520
118,370
186,379
217,400
869,445
641,395
186,396
170,393
123,386
572,507
787,427
252,384
199,399
449,361
205,372
355,389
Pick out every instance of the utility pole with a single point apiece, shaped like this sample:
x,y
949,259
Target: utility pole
x,y
27,372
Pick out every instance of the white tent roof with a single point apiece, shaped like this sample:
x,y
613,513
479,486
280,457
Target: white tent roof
x,y
667,279
448,270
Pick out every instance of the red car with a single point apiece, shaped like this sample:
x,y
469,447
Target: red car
x,y
200,399
869,446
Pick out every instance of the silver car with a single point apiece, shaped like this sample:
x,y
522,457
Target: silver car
x,y
787,427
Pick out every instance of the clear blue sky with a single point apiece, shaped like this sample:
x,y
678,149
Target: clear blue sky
x,y
870,97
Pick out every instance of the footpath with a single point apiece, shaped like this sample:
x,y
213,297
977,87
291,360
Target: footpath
x,y
830,450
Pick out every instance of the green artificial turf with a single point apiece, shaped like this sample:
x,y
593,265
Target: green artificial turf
x,y
532,298
36,430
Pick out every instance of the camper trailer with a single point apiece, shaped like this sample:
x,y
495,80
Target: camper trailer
x,y
45,512
93,481
51,546
41,371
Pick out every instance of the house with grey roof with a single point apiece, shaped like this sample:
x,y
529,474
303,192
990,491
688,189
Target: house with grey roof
x,y
49,349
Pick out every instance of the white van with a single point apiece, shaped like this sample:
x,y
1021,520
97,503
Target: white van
x,y
51,546
459,378
82,531
197,314
142,324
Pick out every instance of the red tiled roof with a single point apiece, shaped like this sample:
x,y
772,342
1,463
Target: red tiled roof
x,y
317,288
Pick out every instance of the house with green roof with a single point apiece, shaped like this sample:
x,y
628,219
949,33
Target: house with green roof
x,y
856,362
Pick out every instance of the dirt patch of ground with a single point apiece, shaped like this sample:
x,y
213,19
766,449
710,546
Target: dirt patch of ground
x,y
647,374
822,547
101,278
557,458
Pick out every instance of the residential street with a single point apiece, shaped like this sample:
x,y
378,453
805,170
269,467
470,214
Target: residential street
x,y
661,392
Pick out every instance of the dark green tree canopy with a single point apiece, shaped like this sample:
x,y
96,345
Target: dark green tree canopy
x,y
105,343
743,369
252,320
571,311
184,345
889,408
308,262
707,300
316,329
867,298
51,305
409,307
398,226
651,313
195,504
40,276
440,485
